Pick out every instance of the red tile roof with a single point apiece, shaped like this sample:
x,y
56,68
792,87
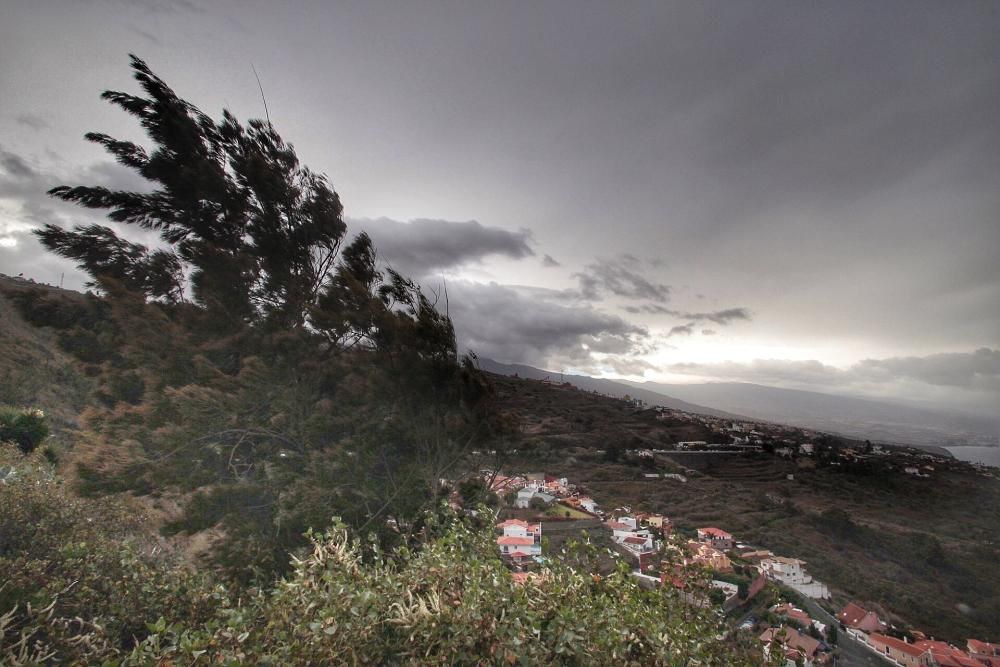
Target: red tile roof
x,y
791,637
505,540
983,648
715,532
851,614
897,644
791,612
635,540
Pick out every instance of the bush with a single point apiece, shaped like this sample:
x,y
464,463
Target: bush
x,y
451,602
80,583
82,586
25,428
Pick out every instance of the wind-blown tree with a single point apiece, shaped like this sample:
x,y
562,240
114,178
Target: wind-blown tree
x,y
249,361
254,232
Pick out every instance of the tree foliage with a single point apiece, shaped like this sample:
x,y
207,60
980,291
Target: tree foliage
x,y
254,361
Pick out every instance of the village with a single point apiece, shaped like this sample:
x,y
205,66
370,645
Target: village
x,y
770,596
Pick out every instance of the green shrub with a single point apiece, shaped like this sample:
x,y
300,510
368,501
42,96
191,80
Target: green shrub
x,y
25,428
80,578
83,585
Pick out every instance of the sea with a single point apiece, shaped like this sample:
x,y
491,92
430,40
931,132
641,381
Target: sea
x,y
988,455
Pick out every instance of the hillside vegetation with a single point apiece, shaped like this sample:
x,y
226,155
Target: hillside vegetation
x,y
219,398
921,549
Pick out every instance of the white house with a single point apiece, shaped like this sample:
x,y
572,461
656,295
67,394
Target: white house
x,y
518,528
525,495
791,572
588,504
518,546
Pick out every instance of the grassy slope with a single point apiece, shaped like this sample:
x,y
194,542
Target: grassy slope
x,y
33,370
888,558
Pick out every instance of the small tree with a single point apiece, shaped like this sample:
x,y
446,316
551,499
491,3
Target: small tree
x,y
25,428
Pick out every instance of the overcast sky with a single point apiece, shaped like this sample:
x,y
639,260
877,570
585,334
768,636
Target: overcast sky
x,y
793,193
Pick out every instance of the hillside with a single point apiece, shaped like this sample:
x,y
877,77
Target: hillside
x,y
913,547
853,417
602,386
34,370
856,417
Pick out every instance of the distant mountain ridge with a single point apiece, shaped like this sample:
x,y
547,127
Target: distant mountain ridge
x,y
603,386
847,415
854,417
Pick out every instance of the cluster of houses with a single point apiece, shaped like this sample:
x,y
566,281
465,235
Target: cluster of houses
x,y
640,535
866,626
520,542
547,489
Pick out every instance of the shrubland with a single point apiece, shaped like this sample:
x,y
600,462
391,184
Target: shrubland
x,y
251,375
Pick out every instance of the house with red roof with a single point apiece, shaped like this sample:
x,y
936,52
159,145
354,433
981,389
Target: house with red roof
x,y
904,653
703,554
524,547
792,613
716,538
985,652
638,544
946,655
518,528
857,617
795,645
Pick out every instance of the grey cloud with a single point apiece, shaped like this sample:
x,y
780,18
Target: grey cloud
x,y
619,277
157,7
550,262
978,371
681,330
972,370
31,120
148,36
766,371
708,332
15,165
421,246
721,317
510,324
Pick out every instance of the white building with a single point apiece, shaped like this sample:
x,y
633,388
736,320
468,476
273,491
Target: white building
x,y
792,573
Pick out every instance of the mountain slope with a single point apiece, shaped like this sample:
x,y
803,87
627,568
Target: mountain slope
x,y
602,386
851,416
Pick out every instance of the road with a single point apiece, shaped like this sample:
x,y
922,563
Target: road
x,y
852,652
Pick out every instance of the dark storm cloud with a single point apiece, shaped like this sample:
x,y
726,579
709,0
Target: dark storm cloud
x,y
513,324
422,246
620,277
549,262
